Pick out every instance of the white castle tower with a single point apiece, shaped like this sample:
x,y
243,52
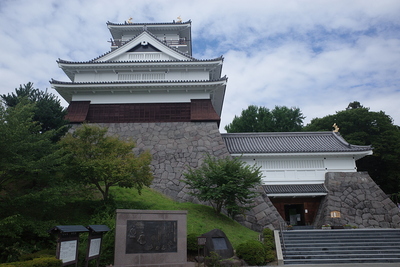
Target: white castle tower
x,y
149,75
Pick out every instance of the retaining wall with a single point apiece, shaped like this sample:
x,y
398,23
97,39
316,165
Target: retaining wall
x,y
359,200
176,145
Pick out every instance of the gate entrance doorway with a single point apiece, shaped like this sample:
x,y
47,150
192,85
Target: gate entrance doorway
x,y
294,214
297,211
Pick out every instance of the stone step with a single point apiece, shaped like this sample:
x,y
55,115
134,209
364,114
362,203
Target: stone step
x,y
343,232
341,246
339,233
344,245
346,256
321,236
341,261
299,238
340,254
328,243
360,230
349,237
375,248
343,253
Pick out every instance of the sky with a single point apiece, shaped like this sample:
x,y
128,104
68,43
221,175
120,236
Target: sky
x,y
314,55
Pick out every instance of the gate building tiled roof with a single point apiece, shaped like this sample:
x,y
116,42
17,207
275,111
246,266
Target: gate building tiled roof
x,y
296,189
288,142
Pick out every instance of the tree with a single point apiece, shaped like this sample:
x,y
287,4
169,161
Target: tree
x,y
261,119
104,161
354,105
286,119
27,155
31,191
49,112
225,183
360,126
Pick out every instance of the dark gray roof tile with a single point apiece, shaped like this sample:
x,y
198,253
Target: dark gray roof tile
x,y
52,81
138,61
288,142
295,189
148,23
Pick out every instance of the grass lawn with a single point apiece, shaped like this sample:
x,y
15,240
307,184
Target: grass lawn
x,y
200,220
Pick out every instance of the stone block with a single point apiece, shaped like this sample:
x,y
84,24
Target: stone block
x,y
145,238
384,225
349,202
381,211
373,223
359,206
360,197
262,206
366,216
376,204
335,198
396,220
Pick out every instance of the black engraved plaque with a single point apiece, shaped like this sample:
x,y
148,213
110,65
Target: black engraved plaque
x,y
151,236
219,243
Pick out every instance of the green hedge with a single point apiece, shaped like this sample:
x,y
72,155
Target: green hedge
x,y
252,252
38,262
269,242
258,253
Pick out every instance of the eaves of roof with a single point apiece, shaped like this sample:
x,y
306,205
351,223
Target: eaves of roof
x,y
222,79
216,60
150,23
289,142
295,189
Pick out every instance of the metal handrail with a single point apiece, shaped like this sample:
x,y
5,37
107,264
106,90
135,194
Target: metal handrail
x,y
281,234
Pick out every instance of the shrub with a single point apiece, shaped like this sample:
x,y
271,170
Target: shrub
x,y
269,243
268,233
38,262
214,260
270,256
192,245
46,253
252,252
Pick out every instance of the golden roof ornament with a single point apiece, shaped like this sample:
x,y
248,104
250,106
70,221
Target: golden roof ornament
x,y
178,19
336,128
129,21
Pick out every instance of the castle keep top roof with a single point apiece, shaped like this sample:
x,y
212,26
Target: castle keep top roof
x,y
118,30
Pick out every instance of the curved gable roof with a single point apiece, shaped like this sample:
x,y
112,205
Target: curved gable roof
x,y
132,42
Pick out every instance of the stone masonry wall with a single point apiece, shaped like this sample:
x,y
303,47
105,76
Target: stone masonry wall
x,y
175,146
360,201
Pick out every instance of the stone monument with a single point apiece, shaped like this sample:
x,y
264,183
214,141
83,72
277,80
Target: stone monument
x,y
217,241
150,238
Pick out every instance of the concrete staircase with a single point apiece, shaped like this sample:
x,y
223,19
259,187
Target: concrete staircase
x,y
341,246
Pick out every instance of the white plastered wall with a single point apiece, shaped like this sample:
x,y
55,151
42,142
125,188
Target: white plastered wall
x,y
300,170
126,98
137,75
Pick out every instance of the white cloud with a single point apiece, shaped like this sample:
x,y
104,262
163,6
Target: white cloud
x,y
315,55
